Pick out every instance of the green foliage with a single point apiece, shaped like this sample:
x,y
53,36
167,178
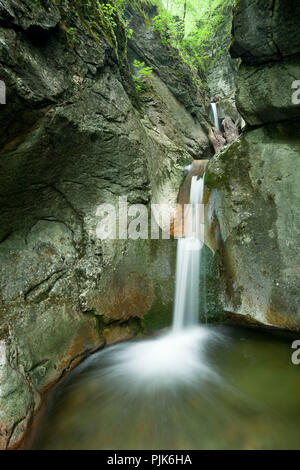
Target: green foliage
x,y
96,12
139,85
160,26
129,33
109,13
142,68
192,26
70,36
143,71
94,15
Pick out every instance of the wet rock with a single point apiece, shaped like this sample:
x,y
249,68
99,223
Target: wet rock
x,y
255,204
117,333
220,67
265,31
253,208
231,129
265,92
216,138
227,107
28,14
147,45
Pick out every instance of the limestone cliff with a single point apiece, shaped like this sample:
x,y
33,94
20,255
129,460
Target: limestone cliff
x,y
256,198
222,69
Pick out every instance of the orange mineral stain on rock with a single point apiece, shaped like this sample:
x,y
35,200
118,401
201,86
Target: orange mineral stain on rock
x,y
86,340
125,297
116,333
180,225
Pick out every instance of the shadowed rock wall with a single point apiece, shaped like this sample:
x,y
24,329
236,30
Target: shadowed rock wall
x,y
255,197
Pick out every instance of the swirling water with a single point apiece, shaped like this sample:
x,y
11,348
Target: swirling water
x,y
231,388
193,387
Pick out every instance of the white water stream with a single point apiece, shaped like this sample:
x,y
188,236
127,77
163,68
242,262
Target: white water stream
x,y
186,305
176,357
215,115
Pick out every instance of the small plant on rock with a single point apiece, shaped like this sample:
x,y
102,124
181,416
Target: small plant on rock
x,y
142,68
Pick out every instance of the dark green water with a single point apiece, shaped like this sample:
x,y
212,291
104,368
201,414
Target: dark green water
x,y
251,402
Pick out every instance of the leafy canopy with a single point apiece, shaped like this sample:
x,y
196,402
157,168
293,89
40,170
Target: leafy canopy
x,y
193,26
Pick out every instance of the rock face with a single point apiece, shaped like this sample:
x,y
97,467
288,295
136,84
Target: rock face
x,y
265,30
254,205
77,132
221,74
266,36
272,102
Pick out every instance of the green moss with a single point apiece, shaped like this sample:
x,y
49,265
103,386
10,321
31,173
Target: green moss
x,y
209,288
135,325
159,316
211,180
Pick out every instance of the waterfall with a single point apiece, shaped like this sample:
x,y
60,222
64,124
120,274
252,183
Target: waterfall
x,y
186,305
176,357
215,115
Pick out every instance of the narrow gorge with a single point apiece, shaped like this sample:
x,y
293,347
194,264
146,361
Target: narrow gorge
x,y
127,108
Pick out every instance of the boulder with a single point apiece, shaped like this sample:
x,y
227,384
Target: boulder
x,y
231,129
265,30
254,213
216,138
265,92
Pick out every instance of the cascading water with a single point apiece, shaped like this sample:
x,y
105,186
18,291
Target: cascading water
x,y
151,374
215,115
186,305
165,393
175,357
